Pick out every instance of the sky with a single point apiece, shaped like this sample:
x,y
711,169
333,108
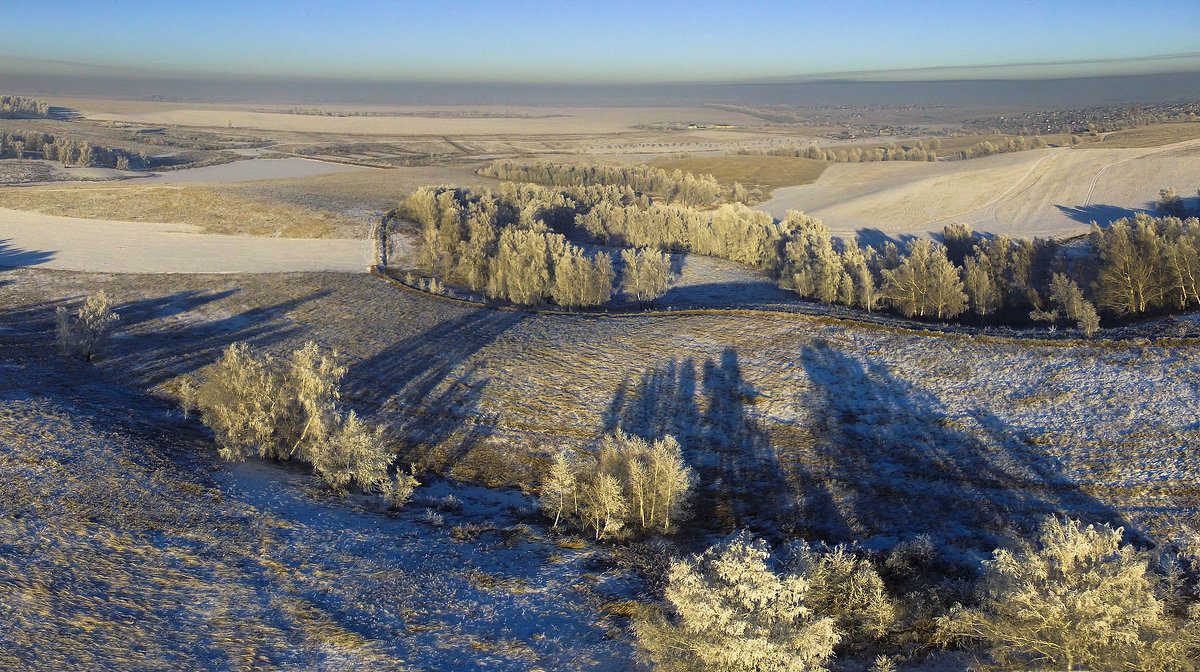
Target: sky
x,y
603,41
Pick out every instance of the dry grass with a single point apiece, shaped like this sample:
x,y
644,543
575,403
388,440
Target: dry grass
x,y
1155,135
216,210
754,172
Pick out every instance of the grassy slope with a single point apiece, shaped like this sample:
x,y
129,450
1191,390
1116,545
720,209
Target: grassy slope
x,y
126,545
795,423
1155,135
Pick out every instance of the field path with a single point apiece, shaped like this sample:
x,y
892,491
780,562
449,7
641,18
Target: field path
x,y
68,243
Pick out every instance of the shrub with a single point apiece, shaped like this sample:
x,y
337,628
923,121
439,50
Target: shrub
x,y
1074,598
256,404
727,610
87,333
845,587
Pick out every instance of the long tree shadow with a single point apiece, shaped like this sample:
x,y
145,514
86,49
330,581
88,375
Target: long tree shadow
x,y
741,482
897,465
15,257
419,390
1101,214
157,355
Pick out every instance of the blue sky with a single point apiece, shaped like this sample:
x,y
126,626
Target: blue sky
x,y
614,41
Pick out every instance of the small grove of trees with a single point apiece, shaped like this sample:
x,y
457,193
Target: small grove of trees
x,y
1075,598
86,333
628,485
288,409
68,152
20,107
673,187
502,244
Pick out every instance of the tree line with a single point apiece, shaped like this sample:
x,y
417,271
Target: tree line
x,y
505,245
672,187
512,245
68,152
919,151
20,107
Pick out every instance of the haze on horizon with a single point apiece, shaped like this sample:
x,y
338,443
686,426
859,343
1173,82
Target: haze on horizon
x,y
619,42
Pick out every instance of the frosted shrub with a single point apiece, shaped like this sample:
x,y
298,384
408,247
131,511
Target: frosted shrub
x,y
283,409
1073,599
845,587
398,489
726,610
87,333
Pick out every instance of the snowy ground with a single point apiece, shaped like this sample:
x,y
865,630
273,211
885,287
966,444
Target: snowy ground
x,y
1048,192
249,170
798,423
127,545
50,241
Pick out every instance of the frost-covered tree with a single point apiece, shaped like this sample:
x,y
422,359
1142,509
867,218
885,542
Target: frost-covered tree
x,y
811,266
1074,598
1170,203
647,274
926,284
579,281
520,271
87,333
959,241
1069,303
728,611
628,485
1130,277
559,493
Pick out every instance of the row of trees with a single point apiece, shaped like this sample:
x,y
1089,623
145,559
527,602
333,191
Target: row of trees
x,y
890,152
20,107
918,151
673,187
628,485
1074,598
68,152
507,244
1131,267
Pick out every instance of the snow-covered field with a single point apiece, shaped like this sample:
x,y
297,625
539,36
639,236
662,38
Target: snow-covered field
x,y
127,545
1048,192
50,241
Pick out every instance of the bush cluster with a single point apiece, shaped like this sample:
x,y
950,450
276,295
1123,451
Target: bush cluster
x,y
287,408
1073,598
